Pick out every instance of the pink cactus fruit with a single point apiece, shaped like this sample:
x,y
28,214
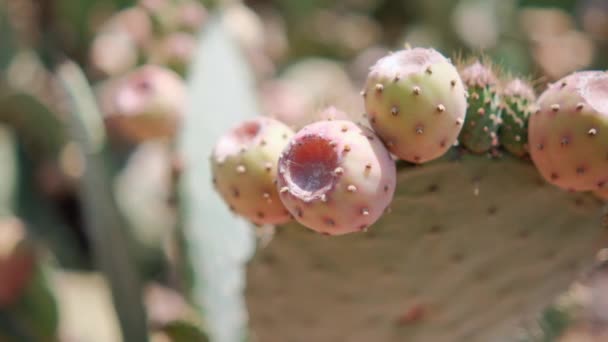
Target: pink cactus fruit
x,y
336,177
415,101
190,16
112,54
567,133
244,167
175,51
176,16
17,261
134,22
286,102
146,103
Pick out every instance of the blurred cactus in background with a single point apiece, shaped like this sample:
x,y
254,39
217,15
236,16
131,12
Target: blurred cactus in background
x,y
109,110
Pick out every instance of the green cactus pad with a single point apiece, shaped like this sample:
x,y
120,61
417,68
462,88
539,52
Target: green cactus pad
x,y
473,248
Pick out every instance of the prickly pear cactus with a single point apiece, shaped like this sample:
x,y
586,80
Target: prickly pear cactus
x,y
473,249
518,99
580,314
567,132
484,112
416,103
358,179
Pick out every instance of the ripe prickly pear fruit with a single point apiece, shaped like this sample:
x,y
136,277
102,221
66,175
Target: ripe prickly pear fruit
x,y
518,99
336,177
244,166
146,103
175,51
415,101
568,134
113,54
484,113
17,261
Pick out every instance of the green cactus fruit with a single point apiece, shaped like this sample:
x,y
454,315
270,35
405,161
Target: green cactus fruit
x,y
244,167
147,103
519,99
17,261
415,101
484,112
568,132
336,177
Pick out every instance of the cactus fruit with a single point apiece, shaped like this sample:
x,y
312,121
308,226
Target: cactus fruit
x,y
113,54
175,51
567,133
415,101
479,133
17,261
336,177
518,99
285,102
146,103
134,22
244,167
290,104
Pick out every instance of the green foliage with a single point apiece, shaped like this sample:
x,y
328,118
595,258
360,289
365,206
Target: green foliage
x,y
181,331
109,237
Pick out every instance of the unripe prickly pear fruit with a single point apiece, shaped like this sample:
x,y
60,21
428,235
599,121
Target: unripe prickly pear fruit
x,y
484,112
336,177
415,101
519,100
568,134
17,261
244,166
146,103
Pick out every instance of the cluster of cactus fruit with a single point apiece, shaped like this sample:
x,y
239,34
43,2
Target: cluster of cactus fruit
x,y
338,177
143,98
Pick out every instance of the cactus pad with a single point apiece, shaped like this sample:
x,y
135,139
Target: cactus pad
x,y
473,248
